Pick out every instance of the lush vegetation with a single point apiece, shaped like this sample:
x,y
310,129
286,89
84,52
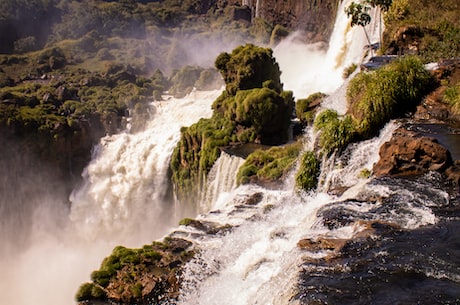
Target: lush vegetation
x,y
130,274
452,97
390,92
269,165
335,132
430,28
253,109
307,175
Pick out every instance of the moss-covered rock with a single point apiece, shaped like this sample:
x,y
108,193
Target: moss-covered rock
x,y
268,166
248,67
335,132
131,275
255,110
306,108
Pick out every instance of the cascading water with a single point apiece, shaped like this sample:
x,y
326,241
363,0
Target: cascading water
x,y
121,202
220,180
258,261
310,68
126,182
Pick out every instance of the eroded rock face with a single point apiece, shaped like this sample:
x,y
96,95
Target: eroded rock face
x,y
407,154
314,17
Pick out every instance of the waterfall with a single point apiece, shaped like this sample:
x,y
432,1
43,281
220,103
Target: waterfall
x,y
306,66
126,182
220,180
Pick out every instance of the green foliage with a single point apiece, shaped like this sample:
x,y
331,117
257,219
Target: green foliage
x,y
307,175
376,97
452,97
84,292
185,221
268,165
248,67
335,132
136,290
252,109
364,173
437,22
303,107
359,14
198,149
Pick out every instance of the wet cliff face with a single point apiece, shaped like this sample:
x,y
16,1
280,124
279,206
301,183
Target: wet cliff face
x,y
314,17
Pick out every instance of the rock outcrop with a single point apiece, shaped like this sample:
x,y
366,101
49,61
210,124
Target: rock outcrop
x,y
314,17
408,154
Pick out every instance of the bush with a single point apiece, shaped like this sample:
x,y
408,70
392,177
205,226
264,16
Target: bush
x,y
390,92
452,97
335,132
349,70
307,176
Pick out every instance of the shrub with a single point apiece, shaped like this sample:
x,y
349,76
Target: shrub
x,y
84,292
376,97
307,175
349,70
335,132
452,97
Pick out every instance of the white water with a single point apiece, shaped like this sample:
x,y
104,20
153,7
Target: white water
x,y
221,180
120,203
126,182
310,68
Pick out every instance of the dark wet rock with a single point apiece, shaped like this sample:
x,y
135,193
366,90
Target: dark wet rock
x,y
394,266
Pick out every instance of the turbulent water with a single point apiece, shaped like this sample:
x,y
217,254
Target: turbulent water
x,y
408,252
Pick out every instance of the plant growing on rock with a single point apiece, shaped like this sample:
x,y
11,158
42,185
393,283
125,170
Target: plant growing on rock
x,y
335,132
253,108
376,97
307,175
305,108
268,165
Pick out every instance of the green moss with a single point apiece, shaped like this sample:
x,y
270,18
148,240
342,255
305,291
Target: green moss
x,y
452,97
307,175
349,70
364,173
185,221
268,165
252,109
248,67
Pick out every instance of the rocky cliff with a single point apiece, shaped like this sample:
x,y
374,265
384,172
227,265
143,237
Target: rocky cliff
x,y
314,17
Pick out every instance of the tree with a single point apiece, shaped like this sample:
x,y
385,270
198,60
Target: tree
x,y
359,16
360,13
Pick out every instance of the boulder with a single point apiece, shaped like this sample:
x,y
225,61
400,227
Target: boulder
x,y
408,154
